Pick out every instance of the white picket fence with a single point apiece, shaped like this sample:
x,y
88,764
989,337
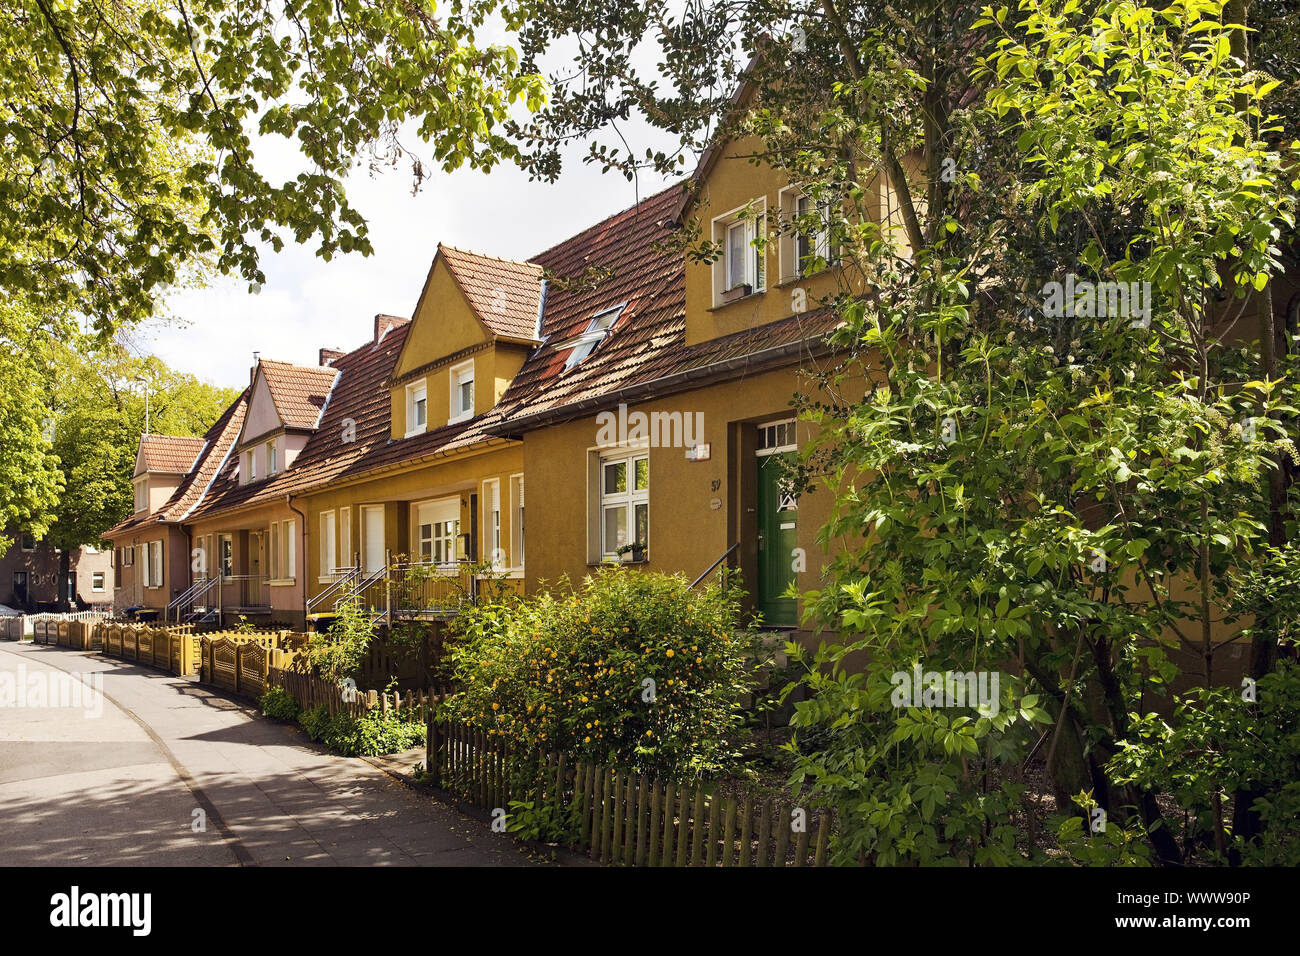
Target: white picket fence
x,y
22,627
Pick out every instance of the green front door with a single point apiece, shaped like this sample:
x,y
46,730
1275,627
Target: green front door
x,y
778,526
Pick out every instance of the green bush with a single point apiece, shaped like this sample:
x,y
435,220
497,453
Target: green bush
x,y
278,704
370,735
632,669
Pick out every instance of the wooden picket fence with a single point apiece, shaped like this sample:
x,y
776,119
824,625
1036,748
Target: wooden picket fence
x,y
624,818
175,648
241,661
311,691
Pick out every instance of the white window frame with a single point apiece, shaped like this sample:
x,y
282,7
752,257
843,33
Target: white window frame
x,y
97,576
272,458
225,558
790,197
441,512
368,515
752,217
492,523
601,324
600,548
781,436
284,552
141,495
345,537
128,556
517,521
328,545
417,397
457,375
153,568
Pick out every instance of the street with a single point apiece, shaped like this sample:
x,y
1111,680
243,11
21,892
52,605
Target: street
x,y
162,771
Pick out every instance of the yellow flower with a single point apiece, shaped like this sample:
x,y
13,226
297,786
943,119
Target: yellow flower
x,y
496,706
586,740
670,652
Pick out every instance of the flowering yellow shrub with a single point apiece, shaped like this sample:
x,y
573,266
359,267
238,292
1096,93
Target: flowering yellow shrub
x,y
630,669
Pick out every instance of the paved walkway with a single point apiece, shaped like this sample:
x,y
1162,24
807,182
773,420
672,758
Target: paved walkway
x,y
122,786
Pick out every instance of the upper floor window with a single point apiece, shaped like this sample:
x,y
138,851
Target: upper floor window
x,y
739,269
462,392
142,495
272,458
417,408
29,540
806,235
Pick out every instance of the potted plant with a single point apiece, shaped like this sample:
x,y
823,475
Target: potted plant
x,y
632,552
736,292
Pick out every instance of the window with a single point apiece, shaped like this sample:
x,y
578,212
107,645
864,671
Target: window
x,y
806,234
142,495
437,523
462,392
226,555
345,537
624,514
283,551
272,458
740,265
97,581
328,543
153,569
29,541
517,520
417,408
372,537
492,522
776,437
595,333
128,556
250,466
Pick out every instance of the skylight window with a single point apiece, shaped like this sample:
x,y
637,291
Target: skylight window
x,y
596,331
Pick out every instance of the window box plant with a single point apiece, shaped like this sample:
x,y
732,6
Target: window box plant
x,y
736,292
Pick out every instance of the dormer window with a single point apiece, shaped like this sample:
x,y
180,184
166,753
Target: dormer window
x,y
417,409
595,333
739,269
462,392
272,458
141,494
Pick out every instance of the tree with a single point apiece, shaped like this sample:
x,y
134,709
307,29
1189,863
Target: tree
x,y
129,161
1032,485
98,414
29,476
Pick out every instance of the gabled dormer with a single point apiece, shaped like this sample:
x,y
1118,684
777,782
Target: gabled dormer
x,y
161,464
475,323
764,246
285,406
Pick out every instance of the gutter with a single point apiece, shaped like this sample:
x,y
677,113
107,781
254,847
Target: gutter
x,y
753,361
305,562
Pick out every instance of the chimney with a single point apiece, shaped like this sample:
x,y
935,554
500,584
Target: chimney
x,y
385,324
329,356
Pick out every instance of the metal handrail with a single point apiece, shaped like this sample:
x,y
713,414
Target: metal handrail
x,y
725,554
191,595
349,576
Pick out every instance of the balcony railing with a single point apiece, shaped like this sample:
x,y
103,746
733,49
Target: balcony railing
x,y
242,592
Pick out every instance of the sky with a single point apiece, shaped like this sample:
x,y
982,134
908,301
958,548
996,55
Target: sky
x,y
307,303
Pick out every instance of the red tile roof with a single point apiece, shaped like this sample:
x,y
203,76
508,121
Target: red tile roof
x,y
298,391
216,444
505,294
621,260
353,439
169,454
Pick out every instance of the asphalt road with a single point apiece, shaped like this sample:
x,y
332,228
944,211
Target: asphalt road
x,y
117,778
